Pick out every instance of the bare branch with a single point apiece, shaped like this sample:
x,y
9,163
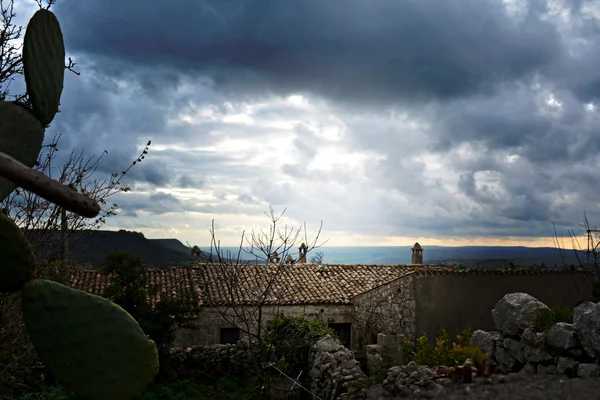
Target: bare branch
x,y
46,187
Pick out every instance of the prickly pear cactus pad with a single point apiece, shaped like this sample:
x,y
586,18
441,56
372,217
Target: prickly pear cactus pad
x,y
16,265
93,346
44,64
21,137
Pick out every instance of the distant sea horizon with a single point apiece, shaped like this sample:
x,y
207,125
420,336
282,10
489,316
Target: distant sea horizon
x,y
389,255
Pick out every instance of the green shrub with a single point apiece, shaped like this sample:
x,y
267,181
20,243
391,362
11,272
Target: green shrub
x,y
443,352
290,339
547,317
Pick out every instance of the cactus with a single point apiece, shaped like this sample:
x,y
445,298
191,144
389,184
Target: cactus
x,y
21,136
17,265
92,345
44,64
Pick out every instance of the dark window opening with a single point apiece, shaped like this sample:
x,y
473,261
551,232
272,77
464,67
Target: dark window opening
x,y
343,331
372,337
230,335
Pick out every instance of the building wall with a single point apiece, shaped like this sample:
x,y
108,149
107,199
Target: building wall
x,y
210,321
389,309
460,301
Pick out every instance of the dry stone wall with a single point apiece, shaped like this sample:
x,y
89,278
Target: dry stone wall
x,y
213,362
567,348
334,370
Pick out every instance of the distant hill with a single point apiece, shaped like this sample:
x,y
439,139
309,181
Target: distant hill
x,y
95,246
470,256
499,256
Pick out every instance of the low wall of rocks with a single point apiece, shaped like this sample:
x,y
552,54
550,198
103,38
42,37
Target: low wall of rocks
x,y
213,362
333,369
516,345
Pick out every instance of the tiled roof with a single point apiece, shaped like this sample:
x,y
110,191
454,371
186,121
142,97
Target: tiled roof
x,y
296,284
173,282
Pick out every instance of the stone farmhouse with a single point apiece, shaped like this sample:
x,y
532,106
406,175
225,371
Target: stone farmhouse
x,y
357,301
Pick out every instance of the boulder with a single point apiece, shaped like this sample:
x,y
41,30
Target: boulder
x,y
567,366
486,341
514,348
562,337
327,344
515,312
588,370
587,328
580,309
506,362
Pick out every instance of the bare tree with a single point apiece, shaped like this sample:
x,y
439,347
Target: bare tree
x,y
584,259
317,258
241,290
41,219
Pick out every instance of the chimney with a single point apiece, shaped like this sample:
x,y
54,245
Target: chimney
x,y
302,254
417,254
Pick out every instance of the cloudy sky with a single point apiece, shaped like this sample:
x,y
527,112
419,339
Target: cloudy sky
x,y
448,122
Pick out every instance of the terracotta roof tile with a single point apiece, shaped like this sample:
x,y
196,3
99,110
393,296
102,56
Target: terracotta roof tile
x,y
296,284
173,282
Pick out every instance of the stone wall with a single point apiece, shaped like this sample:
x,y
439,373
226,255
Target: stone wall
x,y
388,309
210,321
333,369
517,345
213,362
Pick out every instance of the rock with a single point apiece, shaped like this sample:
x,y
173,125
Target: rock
x,y
587,328
515,312
536,354
580,309
514,348
567,366
327,344
486,341
529,368
506,362
547,369
562,337
339,370
588,370
532,337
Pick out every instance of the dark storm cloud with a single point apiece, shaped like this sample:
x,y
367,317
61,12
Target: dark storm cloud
x,y
157,203
347,50
463,71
